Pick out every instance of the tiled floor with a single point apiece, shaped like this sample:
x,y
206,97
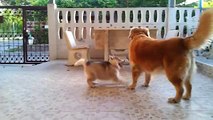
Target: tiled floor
x,y
49,92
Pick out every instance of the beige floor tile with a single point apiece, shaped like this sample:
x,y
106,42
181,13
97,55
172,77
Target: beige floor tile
x,y
51,91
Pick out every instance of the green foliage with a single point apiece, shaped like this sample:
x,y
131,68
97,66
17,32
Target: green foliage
x,y
106,3
66,3
11,22
150,3
112,3
26,2
208,4
18,48
94,3
16,2
86,3
38,2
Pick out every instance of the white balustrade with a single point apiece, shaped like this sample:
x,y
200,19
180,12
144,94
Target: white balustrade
x,y
82,22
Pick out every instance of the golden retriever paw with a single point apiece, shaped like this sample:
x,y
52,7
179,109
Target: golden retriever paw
x,y
145,85
92,86
131,87
173,100
185,97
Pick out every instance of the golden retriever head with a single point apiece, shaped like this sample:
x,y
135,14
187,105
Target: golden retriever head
x,y
138,31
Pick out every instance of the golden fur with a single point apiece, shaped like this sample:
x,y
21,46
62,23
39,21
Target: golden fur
x,y
174,56
102,70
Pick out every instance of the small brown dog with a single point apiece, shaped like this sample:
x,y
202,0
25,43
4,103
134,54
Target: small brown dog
x,y
174,56
102,70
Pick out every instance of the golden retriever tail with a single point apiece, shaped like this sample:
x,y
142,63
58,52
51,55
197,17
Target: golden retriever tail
x,y
80,62
204,31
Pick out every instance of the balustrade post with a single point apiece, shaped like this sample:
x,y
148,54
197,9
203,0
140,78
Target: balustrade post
x,y
52,29
171,15
51,2
171,3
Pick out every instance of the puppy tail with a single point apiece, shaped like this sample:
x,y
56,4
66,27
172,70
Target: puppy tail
x,y
204,31
80,62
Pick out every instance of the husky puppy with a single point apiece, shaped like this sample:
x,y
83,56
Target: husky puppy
x,y
102,70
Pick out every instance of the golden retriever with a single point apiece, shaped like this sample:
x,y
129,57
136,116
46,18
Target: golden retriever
x,y
102,70
174,56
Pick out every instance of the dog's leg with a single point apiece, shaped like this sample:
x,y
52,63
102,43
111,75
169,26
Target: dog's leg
x,y
147,80
116,76
135,75
188,87
117,79
187,81
177,82
90,82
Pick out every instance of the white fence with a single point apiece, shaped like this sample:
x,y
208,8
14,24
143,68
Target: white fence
x,y
82,21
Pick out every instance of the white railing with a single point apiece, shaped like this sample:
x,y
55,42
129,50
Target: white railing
x,y
82,21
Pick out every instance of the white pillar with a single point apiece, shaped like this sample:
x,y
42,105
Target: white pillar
x,y
171,3
52,31
171,15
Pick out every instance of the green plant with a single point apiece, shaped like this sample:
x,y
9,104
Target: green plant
x,y
19,48
12,20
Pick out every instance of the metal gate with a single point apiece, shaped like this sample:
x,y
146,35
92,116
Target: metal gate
x,y
23,35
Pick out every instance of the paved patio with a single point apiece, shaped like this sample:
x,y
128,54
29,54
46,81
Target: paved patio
x,y
49,92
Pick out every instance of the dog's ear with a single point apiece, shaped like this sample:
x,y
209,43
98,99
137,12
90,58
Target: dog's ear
x,y
146,32
111,57
132,32
120,65
117,58
130,37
